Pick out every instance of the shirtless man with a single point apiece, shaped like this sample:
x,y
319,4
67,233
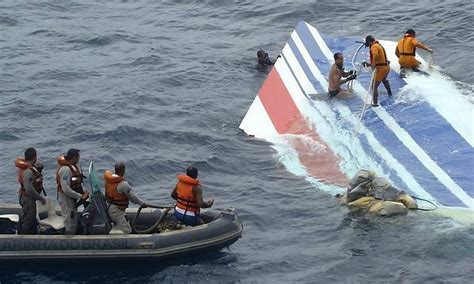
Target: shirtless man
x,y
335,75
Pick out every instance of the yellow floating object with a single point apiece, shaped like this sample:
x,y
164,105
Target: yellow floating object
x,y
408,201
378,207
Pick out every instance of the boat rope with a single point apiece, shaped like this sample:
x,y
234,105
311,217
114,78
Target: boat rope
x,y
153,228
365,101
354,56
424,209
430,60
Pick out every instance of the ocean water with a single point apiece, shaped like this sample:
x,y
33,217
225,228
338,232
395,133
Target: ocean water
x,y
164,84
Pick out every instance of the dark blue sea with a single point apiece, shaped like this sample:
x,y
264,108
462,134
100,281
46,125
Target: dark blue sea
x,y
164,84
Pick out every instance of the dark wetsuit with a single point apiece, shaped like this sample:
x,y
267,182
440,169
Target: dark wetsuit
x,y
265,61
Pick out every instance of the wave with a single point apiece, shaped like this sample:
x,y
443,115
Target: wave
x,y
147,60
63,75
8,136
8,21
46,33
103,40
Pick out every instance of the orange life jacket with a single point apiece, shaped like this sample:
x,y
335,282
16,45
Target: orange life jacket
x,y
381,60
76,179
111,194
22,165
184,189
407,46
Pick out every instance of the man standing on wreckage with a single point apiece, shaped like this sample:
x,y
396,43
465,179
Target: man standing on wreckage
x,y
381,67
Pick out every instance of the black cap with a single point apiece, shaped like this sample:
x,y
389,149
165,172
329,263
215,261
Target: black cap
x,y
368,40
72,153
410,32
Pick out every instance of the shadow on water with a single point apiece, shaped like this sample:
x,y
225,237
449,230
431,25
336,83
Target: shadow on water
x,y
112,269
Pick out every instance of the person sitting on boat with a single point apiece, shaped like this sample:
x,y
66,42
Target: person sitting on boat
x,y
263,59
31,186
188,194
381,67
335,74
406,51
118,194
373,194
70,192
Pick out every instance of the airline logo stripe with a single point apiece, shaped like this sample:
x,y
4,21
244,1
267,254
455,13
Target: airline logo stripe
x,y
317,85
287,119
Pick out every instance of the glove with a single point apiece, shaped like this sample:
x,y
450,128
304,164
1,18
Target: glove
x,y
365,64
85,195
352,77
351,72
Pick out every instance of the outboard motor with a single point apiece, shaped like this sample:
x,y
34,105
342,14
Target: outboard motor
x,y
95,217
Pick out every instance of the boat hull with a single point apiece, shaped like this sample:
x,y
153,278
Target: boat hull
x,y
224,228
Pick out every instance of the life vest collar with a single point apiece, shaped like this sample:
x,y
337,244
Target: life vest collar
x,y
187,179
112,178
22,164
63,162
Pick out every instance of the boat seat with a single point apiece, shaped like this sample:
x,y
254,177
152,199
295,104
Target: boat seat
x,y
46,214
12,217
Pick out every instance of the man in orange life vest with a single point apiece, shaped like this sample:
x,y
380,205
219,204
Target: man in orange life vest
x,y
70,192
31,186
380,65
188,194
406,51
118,194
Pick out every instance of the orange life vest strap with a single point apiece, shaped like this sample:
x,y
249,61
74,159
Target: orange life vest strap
x,y
384,56
386,63
120,204
187,203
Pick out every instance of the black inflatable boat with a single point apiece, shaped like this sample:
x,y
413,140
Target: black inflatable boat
x,y
221,229
157,232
